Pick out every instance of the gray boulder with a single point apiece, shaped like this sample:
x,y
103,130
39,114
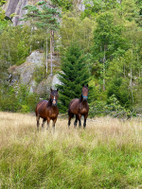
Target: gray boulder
x,y
24,74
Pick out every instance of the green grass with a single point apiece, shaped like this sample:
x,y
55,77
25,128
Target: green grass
x,y
57,165
94,158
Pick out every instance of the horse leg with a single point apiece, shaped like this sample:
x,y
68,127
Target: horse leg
x,y
53,126
43,122
79,118
37,119
75,123
48,120
85,118
69,121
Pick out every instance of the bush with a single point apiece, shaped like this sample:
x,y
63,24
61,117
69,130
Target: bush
x,y
39,74
97,108
8,100
112,107
17,99
25,109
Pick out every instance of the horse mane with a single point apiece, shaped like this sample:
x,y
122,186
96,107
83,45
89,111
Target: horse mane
x,y
85,86
81,98
49,102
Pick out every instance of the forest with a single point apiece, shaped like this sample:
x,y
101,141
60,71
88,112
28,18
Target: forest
x,y
100,45
96,44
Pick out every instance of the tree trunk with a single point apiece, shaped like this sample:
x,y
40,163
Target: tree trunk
x,y
139,66
53,42
46,58
104,60
131,82
30,40
51,49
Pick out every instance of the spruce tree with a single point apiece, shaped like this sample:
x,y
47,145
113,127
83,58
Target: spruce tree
x,y
75,73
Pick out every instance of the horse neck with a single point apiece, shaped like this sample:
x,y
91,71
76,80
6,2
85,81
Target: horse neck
x,y
49,102
81,100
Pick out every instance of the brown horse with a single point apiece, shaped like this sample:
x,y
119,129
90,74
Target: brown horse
x,y
48,110
79,107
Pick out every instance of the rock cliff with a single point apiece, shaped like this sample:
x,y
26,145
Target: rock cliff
x,y
15,7
24,74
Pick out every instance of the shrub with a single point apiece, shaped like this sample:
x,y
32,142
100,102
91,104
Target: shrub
x,y
17,99
39,74
112,107
24,109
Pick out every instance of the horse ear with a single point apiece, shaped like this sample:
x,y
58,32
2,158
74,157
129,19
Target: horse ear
x,y
83,85
50,89
87,85
57,90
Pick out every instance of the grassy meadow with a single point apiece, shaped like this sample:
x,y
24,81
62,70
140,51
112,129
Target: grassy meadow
x,y
108,154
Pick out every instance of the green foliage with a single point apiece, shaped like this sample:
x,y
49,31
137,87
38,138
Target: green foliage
x,y
118,87
25,109
97,108
8,100
17,99
74,74
48,18
129,9
112,108
64,4
3,22
14,46
92,8
108,37
39,74
108,32
73,28
43,17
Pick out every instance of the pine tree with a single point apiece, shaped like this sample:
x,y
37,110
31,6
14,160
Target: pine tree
x,y
74,74
46,18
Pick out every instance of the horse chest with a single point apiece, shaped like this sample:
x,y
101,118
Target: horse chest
x,y
53,113
83,109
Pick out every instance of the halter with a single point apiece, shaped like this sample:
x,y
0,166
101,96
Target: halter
x,y
85,97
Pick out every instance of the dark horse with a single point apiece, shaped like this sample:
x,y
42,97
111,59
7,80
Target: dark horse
x,y
79,107
48,110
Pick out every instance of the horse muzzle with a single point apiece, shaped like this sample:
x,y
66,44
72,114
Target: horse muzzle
x,y
54,102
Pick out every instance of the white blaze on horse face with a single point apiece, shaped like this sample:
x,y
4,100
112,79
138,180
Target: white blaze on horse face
x,y
54,100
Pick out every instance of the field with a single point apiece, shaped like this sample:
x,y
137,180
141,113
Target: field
x,y
108,154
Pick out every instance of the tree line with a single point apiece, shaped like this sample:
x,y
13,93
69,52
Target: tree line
x,y
100,46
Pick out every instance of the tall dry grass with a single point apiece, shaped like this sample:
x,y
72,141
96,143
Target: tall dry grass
x,y
107,154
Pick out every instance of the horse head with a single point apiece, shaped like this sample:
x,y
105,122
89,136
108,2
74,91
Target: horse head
x,y
54,96
85,92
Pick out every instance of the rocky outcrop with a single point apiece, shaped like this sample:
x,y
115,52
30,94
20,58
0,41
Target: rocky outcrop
x,y
15,7
45,85
79,5
24,74
25,71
